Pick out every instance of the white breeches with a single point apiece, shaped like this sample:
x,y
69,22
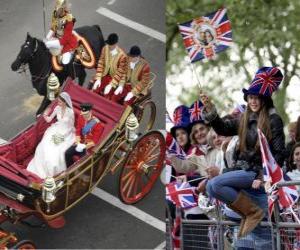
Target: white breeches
x,y
55,45
66,57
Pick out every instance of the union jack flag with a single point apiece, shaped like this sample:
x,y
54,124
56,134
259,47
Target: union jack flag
x,y
267,81
178,115
287,196
181,194
195,111
173,147
205,36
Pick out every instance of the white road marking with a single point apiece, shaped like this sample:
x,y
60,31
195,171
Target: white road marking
x,y
161,246
111,2
139,214
134,25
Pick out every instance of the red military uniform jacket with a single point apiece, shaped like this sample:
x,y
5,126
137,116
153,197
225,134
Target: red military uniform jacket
x,y
95,133
63,27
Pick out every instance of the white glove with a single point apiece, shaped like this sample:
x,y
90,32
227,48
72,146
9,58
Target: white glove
x,y
50,34
119,90
97,84
128,96
107,89
80,147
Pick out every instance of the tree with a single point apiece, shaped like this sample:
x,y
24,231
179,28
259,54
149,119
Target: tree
x,y
265,33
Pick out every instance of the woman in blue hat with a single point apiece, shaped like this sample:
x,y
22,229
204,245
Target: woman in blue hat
x,y
248,171
180,132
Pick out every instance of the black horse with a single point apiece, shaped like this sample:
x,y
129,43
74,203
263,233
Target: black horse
x,y
34,53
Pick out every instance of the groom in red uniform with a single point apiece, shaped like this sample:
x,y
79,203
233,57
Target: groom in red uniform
x,y
88,132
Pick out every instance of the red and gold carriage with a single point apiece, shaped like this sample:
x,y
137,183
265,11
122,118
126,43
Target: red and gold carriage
x,y
138,154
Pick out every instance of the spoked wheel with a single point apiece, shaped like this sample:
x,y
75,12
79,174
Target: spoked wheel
x,y
24,244
142,167
146,114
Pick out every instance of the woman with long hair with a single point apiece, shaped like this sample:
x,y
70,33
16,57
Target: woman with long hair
x,y
248,171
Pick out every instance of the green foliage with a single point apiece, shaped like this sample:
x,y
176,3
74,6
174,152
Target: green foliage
x,y
265,33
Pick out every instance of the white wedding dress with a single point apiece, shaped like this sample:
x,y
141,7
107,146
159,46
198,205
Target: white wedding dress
x,y
49,158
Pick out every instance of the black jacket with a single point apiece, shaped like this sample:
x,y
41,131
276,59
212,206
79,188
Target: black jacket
x,y
252,156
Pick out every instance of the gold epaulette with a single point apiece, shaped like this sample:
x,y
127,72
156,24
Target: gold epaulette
x,y
96,119
69,17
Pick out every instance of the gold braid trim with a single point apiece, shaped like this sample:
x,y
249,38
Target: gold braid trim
x,y
140,77
102,68
118,68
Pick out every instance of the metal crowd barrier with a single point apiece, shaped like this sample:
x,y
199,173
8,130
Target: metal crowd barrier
x,y
282,233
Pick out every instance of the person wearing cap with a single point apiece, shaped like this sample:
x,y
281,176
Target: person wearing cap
x,y
137,78
49,157
111,69
61,37
88,132
248,170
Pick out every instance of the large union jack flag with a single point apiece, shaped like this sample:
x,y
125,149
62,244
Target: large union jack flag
x,y
287,196
205,36
195,111
181,194
267,81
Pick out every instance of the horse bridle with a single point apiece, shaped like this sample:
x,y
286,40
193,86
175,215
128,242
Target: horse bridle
x,y
24,66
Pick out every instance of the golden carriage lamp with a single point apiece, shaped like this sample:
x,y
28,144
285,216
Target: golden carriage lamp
x,y
132,126
52,87
48,191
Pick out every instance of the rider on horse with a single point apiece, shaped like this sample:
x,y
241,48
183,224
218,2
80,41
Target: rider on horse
x,y
60,37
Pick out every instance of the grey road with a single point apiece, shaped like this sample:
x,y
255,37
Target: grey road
x,y
93,223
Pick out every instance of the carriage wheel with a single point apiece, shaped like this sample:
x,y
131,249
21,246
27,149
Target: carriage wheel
x,y
24,244
146,114
142,167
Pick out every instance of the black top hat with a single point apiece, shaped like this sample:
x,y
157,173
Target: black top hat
x,y
85,107
134,51
112,39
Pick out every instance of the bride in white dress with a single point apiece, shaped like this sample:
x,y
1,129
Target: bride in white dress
x,y
49,157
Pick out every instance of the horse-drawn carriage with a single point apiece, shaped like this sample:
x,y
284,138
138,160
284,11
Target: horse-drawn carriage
x,y
139,157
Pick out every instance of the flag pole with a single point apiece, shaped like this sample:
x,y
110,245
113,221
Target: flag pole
x,y
197,77
44,18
